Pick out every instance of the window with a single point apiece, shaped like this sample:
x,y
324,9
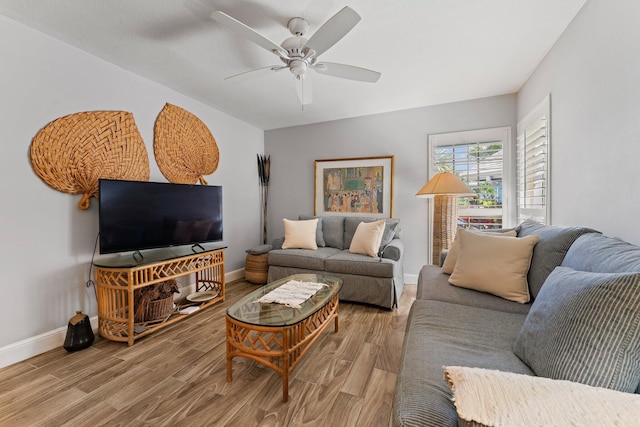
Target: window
x,y
478,158
532,165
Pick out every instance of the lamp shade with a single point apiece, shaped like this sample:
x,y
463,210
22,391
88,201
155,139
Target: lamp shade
x,y
445,183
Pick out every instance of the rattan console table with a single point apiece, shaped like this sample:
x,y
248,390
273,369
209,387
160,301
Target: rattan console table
x,y
118,278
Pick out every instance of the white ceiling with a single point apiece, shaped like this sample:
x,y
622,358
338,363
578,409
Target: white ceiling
x,y
428,51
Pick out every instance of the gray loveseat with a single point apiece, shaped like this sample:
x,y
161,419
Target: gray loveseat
x,y
371,280
454,326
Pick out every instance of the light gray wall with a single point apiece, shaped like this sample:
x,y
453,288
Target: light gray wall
x,y
402,134
593,76
47,241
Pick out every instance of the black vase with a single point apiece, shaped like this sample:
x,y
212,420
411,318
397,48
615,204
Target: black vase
x,y
79,333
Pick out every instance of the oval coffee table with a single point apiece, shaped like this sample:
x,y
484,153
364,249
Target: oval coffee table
x,y
277,335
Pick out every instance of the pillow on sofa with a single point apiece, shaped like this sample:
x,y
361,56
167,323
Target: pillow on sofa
x,y
452,256
585,327
510,399
300,234
493,264
554,243
389,233
366,240
319,234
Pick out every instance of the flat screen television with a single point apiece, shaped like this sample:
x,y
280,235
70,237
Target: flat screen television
x,y
136,215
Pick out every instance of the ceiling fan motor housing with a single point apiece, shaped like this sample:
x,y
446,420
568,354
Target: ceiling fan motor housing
x,y
294,46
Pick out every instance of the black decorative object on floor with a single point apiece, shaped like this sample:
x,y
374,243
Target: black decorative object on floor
x,y
79,333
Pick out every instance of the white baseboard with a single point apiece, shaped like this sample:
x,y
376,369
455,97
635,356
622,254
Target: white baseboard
x,y
33,346
410,279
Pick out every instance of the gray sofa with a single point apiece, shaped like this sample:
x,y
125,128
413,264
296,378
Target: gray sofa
x,y
453,326
371,280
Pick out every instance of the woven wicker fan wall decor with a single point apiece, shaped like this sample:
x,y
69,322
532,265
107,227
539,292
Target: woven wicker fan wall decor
x,y
71,153
184,148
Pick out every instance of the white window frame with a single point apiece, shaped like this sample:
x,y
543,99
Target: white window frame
x,y
502,134
542,111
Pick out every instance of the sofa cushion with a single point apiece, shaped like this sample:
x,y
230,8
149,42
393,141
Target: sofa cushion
x,y
302,258
300,234
598,253
319,232
434,285
360,265
585,327
333,231
494,264
367,238
550,250
452,254
548,402
442,334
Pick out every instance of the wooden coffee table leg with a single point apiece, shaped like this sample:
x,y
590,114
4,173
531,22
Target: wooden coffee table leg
x,y
286,358
229,350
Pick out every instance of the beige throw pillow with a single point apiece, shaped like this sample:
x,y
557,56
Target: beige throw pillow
x,y
300,234
497,265
366,240
452,256
510,399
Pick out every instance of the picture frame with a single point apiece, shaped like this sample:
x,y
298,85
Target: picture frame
x,y
361,186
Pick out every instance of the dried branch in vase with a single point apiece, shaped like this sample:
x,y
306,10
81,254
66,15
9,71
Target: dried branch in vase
x,y
264,171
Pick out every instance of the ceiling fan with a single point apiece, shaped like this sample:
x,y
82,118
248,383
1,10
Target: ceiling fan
x,y
299,54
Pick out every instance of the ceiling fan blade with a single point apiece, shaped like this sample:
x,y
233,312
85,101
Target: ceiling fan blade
x,y
247,32
303,87
333,30
347,72
255,73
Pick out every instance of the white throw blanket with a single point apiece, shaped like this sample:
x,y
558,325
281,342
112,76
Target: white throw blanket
x,y
486,397
292,294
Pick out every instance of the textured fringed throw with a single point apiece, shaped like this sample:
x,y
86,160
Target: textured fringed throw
x,y
486,397
292,294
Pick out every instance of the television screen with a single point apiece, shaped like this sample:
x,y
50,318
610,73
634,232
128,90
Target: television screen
x,y
137,215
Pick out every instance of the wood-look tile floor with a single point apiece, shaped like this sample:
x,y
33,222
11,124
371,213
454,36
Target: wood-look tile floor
x,y
177,376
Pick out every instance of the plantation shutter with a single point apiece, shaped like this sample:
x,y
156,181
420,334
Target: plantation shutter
x,y
532,166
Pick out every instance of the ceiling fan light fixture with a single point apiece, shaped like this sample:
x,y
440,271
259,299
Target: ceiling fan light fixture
x,y
298,67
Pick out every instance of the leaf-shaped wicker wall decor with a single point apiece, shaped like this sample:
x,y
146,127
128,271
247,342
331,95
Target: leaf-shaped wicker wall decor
x,y
73,152
184,147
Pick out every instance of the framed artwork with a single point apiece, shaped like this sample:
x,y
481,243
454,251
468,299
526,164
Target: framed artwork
x,y
360,186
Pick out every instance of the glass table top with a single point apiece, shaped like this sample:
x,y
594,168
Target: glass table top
x,y
248,310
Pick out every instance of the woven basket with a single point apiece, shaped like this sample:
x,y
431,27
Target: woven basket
x,y
184,148
256,268
71,153
158,309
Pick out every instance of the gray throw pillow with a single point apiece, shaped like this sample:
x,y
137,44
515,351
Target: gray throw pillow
x,y
389,233
585,327
319,235
550,250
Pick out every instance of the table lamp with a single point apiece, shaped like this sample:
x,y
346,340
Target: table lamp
x,y
445,188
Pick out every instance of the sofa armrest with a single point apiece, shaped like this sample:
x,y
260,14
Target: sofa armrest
x,y
393,251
